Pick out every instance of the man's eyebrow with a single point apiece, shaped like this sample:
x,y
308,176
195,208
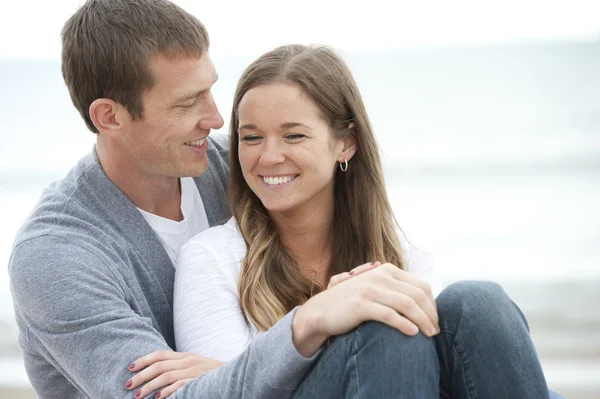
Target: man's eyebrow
x,y
197,93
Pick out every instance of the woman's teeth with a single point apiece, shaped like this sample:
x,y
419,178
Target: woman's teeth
x,y
275,181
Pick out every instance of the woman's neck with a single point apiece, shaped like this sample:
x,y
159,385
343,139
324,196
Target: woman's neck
x,y
307,237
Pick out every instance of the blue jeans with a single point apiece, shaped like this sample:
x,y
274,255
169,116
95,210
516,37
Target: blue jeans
x,y
483,351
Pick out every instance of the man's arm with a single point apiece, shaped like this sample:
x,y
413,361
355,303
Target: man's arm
x,y
76,312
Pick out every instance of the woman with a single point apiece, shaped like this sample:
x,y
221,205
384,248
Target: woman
x,y
299,192
309,205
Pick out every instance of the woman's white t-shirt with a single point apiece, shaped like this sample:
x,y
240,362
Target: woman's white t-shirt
x,y
208,318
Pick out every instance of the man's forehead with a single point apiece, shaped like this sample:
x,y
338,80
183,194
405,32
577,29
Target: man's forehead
x,y
177,63
179,75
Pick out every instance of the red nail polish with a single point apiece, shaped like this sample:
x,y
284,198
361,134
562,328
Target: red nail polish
x,y
137,393
157,395
132,365
128,384
351,272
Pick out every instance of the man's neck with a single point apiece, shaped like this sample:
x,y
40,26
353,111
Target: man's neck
x,y
159,195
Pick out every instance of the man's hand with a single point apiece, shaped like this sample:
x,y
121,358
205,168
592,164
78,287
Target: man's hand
x,y
385,293
167,370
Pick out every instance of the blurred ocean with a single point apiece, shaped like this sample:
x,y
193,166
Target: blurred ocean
x,y
492,157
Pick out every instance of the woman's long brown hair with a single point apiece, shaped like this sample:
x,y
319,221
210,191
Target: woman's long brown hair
x,y
363,229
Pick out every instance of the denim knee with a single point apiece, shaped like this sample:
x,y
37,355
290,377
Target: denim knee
x,y
484,303
418,347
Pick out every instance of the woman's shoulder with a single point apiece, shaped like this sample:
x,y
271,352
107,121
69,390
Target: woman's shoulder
x,y
219,249
223,237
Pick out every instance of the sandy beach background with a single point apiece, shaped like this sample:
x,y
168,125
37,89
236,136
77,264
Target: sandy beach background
x,y
492,159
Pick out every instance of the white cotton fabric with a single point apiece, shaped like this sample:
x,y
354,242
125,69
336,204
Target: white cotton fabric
x,y
208,318
173,235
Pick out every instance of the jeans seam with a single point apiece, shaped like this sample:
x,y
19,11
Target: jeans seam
x,y
464,363
327,355
355,362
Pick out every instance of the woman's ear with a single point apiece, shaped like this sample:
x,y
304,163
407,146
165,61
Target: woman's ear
x,y
106,115
349,148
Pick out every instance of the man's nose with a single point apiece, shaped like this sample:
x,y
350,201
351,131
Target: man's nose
x,y
212,118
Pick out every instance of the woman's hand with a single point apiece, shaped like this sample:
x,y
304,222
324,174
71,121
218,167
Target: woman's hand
x,y
338,278
167,370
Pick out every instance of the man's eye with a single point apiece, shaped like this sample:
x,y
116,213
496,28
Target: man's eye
x,y
189,105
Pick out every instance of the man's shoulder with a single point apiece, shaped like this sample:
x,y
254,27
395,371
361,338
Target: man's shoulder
x,y
77,212
220,142
218,150
59,202
212,184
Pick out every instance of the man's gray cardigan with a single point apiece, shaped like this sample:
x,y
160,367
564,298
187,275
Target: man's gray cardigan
x,y
93,291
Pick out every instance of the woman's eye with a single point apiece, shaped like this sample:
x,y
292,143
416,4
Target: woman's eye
x,y
250,139
294,136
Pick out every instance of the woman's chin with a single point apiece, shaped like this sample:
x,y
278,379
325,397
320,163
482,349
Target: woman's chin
x,y
276,206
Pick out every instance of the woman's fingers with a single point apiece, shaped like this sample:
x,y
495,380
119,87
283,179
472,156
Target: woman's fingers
x,y
338,278
166,379
168,391
363,268
152,358
159,373
154,372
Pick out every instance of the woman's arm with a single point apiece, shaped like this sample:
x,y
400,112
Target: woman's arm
x,y
422,265
208,319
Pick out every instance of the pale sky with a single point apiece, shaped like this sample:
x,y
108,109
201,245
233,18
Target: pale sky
x,y
31,29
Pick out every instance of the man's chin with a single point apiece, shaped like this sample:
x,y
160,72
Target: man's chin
x,y
197,171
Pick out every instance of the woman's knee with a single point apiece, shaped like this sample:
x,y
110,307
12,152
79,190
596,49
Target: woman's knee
x,y
478,301
390,340
461,290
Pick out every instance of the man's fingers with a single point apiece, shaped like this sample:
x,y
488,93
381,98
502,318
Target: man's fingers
x,y
400,300
403,275
392,318
423,286
422,289
421,298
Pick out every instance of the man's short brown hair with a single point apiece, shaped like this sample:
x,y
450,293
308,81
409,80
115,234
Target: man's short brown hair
x,y
107,44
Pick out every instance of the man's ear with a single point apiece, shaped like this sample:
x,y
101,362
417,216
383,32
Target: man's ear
x,y
106,115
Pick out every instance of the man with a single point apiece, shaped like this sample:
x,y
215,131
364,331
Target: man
x,y
92,267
